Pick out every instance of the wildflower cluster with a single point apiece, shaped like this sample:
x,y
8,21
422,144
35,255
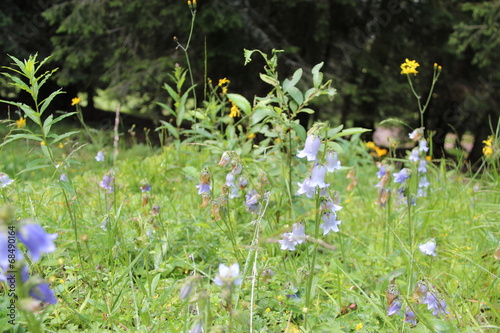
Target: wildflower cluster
x,y
314,185
409,67
422,295
14,268
419,157
235,182
375,150
488,146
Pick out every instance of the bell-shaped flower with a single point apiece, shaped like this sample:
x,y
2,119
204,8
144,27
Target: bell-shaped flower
x,y
437,305
5,180
428,248
311,148
306,188
100,156
291,239
401,176
318,176
107,182
330,223
422,145
332,162
414,155
228,276
37,241
422,166
39,289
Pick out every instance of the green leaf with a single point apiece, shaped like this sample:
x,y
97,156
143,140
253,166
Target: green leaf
x,y
269,80
300,130
241,102
350,131
58,138
333,131
317,75
46,102
18,82
14,137
260,114
296,94
307,110
168,108
49,121
248,55
170,128
295,79
171,92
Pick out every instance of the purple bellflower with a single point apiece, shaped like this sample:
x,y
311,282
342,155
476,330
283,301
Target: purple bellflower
x,y
37,241
311,148
332,162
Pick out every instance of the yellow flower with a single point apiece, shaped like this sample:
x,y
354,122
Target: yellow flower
x,y
487,151
224,90
42,143
251,136
370,145
268,310
75,101
223,81
359,326
60,145
21,122
409,67
428,158
235,112
380,151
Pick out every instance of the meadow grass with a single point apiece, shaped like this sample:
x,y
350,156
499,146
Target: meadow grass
x,y
140,248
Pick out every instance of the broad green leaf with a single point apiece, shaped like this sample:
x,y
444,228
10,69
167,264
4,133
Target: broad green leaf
x,y
317,75
300,130
295,79
333,131
309,93
241,102
296,94
269,80
260,114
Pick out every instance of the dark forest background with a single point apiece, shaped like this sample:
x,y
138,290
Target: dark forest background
x,y
126,49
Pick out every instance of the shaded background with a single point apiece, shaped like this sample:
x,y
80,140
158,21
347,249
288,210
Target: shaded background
x,y
123,51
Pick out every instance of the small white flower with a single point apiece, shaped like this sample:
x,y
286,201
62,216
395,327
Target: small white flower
x,y
332,162
100,156
428,248
228,275
5,180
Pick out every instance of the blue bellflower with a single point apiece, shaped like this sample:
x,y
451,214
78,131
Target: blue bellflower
x,y
332,162
311,148
401,176
306,188
41,290
330,223
228,276
428,248
318,176
107,182
291,239
5,180
36,240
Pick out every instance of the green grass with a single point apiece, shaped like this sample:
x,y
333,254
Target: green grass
x,y
129,276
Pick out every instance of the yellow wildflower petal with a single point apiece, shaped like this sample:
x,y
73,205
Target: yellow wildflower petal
x,y
370,145
359,326
235,112
409,67
487,151
75,101
21,122
223,81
